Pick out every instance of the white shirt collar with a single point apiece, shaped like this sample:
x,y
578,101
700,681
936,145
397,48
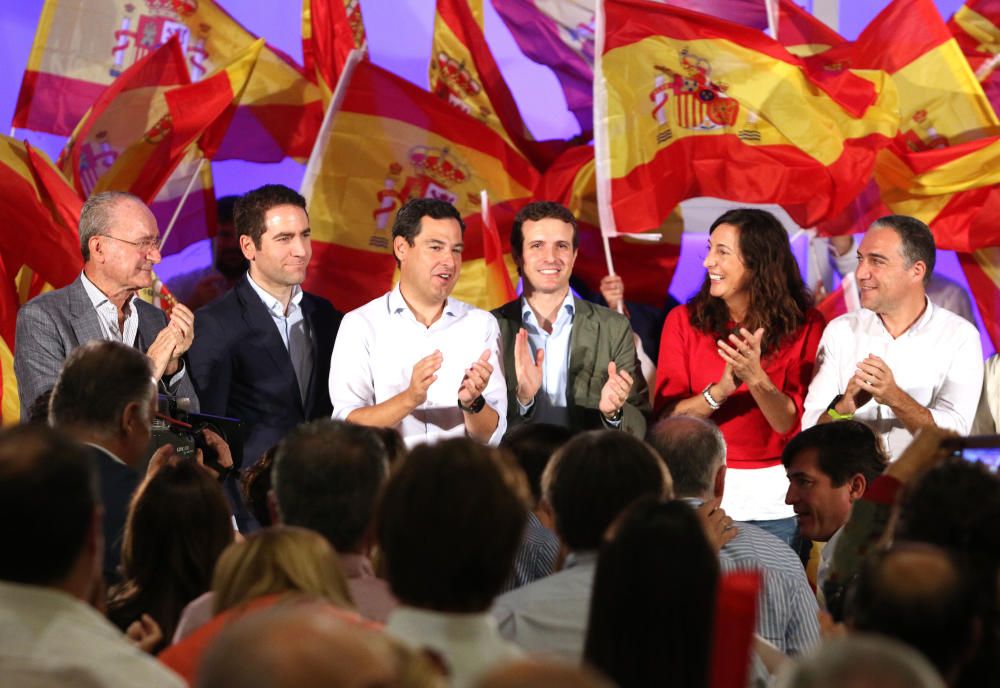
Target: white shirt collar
x,y
98,297
568,306
271,303
397,304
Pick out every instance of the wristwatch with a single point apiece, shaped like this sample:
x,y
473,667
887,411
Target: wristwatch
x,y
477,405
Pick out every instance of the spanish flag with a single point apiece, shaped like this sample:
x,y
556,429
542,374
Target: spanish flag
x,y
81,46
385,143
10,406
802,33
464,73
200,113
498,285
982,271
331,29
976,28
688,105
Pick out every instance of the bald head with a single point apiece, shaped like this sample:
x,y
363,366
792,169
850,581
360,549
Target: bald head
x,y
297,646
694,451
537,674
861,661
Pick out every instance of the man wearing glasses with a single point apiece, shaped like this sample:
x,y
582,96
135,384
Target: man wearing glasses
x,y
120,242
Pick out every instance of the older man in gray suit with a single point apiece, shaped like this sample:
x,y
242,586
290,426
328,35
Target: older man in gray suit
x,y
119,241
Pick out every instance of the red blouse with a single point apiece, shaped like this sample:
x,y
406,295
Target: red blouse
x,y
689,361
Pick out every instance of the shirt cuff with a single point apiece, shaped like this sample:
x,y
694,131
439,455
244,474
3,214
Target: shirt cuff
x,y
608,423
178,376
522,408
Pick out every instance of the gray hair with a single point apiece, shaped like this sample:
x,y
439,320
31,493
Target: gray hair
x,y
95,217
862,660
916,239
693,449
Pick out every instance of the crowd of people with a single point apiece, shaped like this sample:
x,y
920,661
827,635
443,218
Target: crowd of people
x,y
423,493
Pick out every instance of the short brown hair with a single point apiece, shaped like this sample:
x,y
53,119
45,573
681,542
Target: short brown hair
x,y
251,208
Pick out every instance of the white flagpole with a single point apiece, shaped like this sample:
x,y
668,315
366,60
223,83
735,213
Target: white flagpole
x,y
180,204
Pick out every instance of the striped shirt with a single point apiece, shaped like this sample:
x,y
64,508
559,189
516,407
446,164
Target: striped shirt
x,y
536,555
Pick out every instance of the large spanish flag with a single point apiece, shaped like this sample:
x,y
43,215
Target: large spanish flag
x,y
688,105
81,46
464,73
331,29
200,112
388,142
982,271
976,27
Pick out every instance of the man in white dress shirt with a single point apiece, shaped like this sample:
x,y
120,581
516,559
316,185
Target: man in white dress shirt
x,y
900,363
416,359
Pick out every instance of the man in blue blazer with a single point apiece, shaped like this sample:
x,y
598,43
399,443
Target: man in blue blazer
x,y
262,351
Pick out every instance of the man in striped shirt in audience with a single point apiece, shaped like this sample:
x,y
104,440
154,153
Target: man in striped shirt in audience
x,y
695,452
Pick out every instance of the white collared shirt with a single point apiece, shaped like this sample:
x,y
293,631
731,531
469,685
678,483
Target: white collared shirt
x,y
938,361
550,401
107,313
294,331
378,345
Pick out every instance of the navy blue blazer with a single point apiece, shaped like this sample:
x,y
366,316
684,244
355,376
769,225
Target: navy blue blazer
x,y
240,364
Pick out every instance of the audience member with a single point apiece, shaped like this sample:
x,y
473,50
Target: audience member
x,y
327,476
120,242
901,362
532,444
829,468
923,596
695,452
543,674
416,359
178,524
742,352
653,603
262,352
255,488
303,646
861,661
50,573
448,526
566,361
203,285
586,485
270,566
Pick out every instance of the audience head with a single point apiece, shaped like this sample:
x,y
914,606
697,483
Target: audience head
x,y
923,596
177,526
695,453
829,467
427,243
279,560
297,645
255,487
535,673
533,444
448,525
327,476
49,510
38,412
593,478
750,267
274,235
654,598
106,394
119,241
861,661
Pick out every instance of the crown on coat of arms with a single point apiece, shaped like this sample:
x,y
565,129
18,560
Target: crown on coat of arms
x,y
172,8
438,165
456,75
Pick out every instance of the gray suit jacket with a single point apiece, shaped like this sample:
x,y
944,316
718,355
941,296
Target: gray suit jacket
x,y
599,336
52,324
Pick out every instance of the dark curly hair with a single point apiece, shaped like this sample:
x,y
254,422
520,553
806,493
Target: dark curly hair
x,y
778,296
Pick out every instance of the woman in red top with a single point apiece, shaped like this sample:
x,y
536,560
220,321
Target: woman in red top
x,y
742,351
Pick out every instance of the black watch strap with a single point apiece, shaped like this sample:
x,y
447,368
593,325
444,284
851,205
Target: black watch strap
x,y
477,405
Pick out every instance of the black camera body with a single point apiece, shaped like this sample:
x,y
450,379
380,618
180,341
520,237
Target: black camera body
x,y
176,426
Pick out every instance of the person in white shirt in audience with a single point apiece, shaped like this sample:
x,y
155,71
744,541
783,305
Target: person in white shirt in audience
x,y
51,634
449,521
901,362
416,359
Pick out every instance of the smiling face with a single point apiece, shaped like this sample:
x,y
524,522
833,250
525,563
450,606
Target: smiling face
x,y
726,272
429,269
285,249
123,255
885,282
547,255
820,506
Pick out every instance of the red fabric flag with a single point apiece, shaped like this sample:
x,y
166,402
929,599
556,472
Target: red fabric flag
x,y
732,632
331,29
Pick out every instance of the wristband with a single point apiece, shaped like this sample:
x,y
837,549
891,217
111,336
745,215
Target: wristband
x,y
707,395
832,411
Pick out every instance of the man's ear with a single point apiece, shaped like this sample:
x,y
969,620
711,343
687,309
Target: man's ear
x,y
399,247
132,418
858,484
919,269
719,486
96,248
247,246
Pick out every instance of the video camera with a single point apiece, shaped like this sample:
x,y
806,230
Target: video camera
x,y
177,426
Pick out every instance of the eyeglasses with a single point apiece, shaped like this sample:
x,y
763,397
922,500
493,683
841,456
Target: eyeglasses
x,y
145,245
